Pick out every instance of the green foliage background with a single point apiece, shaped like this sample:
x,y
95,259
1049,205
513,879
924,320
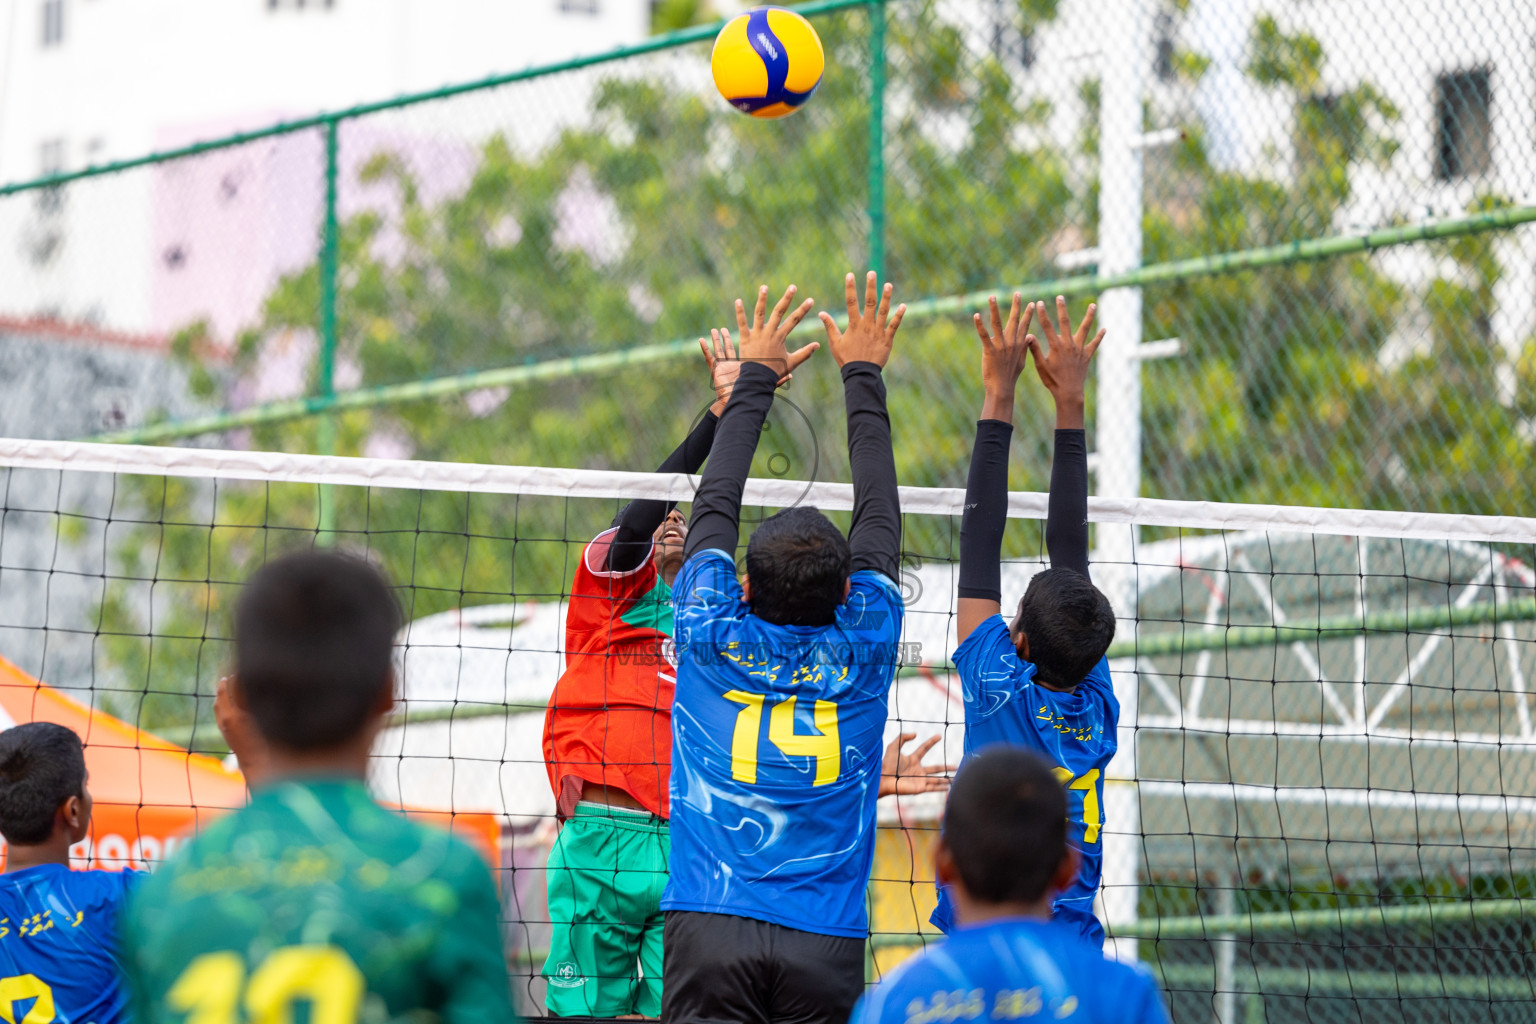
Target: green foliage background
x,y
1283,395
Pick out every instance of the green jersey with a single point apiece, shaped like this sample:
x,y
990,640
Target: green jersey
x,y
314,895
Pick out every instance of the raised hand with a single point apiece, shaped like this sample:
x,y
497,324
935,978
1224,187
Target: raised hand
x,y
1064,368
763,341
870,335
904,774
725,364
1004,351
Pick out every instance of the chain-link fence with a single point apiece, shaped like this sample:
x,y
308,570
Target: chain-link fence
x,y
1336,301
1311,229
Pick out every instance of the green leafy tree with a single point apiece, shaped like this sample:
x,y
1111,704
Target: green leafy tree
x,y
1285,394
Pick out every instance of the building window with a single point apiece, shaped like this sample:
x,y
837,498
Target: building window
x,y
581,7
1463,124
53,22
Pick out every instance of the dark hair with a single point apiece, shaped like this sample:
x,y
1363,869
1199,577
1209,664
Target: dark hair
x,y
1005,825
1069,623
314,643
41,766
798,563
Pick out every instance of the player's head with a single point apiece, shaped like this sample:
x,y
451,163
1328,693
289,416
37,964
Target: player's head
x,y
1004,840
797,568
43,795
1064,625
314,650
666,542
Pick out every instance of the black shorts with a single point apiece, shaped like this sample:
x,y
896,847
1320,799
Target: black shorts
x,y
722,969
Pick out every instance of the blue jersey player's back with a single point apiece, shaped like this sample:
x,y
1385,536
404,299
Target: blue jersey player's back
x,y
1074,730
1013,969
776,752
58,944
1042,682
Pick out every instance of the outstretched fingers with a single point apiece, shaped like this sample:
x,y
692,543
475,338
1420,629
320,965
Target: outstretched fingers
x,y
795,315
851,293
890,331
800,355
1082,329
997,318
779,308
1093,346
870,292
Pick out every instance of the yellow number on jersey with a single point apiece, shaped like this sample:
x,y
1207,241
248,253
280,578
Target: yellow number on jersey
x,y
208,991
26,986
749,723
823,745
1093,820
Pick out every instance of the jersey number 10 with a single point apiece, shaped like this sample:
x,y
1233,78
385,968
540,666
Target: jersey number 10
x,y
824,747
210,989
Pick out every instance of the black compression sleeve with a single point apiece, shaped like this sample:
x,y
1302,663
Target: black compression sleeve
x,y
640,518
874,537
716,519
986,513
1066,517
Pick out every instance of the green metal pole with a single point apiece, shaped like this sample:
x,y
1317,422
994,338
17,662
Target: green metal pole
x,y
326,383
877,138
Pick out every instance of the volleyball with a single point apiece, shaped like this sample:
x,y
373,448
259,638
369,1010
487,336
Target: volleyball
x,y
767,62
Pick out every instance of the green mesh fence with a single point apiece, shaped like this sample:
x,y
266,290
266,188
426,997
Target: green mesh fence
x,y
1336,274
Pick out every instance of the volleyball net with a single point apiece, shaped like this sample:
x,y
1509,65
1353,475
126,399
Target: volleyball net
x,y
1323,807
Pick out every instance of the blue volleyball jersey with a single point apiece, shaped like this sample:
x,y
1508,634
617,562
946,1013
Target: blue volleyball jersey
x,y
776,746
1075,731
58,944
1013,969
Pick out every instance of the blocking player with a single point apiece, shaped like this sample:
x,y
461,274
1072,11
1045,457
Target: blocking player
x,y
58,928
313,894
781,702
608,745
1040,681
1002,855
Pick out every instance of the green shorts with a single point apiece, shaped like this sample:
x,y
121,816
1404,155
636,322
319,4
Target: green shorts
x,y
606,875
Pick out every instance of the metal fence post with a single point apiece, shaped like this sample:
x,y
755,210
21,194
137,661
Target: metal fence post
x,y
326,377
877,137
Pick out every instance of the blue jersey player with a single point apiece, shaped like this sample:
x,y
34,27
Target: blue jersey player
x,y
58,928
1040,681
1002,854
777,722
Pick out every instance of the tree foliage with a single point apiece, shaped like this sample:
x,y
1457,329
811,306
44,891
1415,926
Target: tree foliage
x,y
1305,384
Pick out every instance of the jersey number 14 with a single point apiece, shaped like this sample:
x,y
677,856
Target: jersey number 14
x,y
823,745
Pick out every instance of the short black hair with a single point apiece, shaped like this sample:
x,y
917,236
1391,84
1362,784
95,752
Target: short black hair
x,y
41,766
1005,825
799,563
314,647
1069,623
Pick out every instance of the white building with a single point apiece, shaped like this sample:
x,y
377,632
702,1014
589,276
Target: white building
x,y
91,81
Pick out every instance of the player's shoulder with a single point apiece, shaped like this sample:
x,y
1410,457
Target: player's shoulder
x,y
874,603
1099,682
990,650
1114,983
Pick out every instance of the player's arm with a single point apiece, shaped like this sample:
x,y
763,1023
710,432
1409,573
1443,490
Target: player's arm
x,y
1004,351
716,519
1064,372
862,350
904,774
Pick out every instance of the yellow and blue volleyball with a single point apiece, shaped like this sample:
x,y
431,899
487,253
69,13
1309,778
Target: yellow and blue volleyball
x,y
767,62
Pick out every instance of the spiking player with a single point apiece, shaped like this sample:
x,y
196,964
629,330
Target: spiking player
x,y
58,928
313,900
1041,681
1002,854
781,702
